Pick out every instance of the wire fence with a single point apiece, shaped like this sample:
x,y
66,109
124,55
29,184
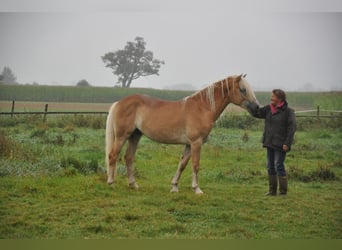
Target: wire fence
x,y
318,113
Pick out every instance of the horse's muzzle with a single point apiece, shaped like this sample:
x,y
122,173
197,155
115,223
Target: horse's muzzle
x,y
252,107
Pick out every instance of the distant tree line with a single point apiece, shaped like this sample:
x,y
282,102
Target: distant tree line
x,y
7,76
83,83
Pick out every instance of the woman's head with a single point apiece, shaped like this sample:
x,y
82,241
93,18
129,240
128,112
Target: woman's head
x,y
277,96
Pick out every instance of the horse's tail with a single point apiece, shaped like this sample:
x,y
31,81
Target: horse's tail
x,y
110,134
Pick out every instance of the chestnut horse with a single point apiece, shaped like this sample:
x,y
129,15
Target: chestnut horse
x,y
188,122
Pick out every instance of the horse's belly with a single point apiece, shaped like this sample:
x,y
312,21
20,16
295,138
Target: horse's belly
x,y
167,136
163,124
164,132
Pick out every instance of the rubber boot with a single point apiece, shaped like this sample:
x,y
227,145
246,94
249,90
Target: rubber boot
x,y
272,183
282,185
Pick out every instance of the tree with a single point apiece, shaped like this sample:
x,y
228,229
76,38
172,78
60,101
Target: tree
x,y
83,83
7,76
132,62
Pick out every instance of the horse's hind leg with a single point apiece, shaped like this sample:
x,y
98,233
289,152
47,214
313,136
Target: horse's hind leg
x,y
129,157
181,166
113,156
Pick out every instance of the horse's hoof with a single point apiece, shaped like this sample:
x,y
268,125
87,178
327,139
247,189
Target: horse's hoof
x,y
133,186
198,190
174,189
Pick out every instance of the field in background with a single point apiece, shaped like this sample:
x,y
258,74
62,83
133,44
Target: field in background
x,y
96,95
80,94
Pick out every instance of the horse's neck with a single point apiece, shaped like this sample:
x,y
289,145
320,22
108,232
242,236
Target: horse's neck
x,y
221,102
220,97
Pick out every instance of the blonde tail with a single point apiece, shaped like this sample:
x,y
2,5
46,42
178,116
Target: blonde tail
x,y
110,135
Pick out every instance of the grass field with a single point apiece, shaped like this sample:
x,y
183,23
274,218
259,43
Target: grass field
x,y
80,94
52,184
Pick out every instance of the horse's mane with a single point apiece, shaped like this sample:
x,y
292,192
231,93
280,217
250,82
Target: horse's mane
x,y
208,92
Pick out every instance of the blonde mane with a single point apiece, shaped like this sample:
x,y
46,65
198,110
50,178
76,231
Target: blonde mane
x,y
208,92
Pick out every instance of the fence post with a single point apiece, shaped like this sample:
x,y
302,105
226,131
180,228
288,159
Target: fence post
x,y
13,104
317,111
45,110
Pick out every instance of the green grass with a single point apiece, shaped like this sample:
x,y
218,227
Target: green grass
x,y
56,188
84,207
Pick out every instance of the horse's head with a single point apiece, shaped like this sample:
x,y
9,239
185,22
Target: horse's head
x,y
243,94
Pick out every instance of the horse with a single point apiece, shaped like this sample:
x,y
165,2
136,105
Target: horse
x,y
187,121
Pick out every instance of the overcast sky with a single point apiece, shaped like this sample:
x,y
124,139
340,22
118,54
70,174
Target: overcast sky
x,y
284,44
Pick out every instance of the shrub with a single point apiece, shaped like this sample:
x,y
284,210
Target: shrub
x,y
81,167
296,173
98,122
6,145
228,120
69,171
306,123
7,122
59,140
69,123
39,132
321,173
69,128
28,120
246,121
81,121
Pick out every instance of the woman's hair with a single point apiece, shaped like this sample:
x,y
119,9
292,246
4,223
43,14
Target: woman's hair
x,y
280,94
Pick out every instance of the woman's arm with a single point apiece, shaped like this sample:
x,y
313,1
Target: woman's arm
x,y
260,112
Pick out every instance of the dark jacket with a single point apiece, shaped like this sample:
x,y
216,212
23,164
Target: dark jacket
x,y
279,127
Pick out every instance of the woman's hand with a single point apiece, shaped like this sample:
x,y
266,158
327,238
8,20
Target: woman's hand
x,y
285,148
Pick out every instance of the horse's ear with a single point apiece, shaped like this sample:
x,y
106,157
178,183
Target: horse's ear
x,y
238,78
244,75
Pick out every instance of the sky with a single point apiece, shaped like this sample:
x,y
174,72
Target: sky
x,y
294,45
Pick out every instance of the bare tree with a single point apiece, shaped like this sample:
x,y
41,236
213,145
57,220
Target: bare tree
x,y
132,62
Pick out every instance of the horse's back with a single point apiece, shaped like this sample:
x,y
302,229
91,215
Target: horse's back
x,y
161,120
146,103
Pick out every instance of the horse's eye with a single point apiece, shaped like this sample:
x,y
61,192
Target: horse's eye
x,y
243,91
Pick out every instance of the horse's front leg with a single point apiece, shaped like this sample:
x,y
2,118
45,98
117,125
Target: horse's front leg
x,y
196,152
181,166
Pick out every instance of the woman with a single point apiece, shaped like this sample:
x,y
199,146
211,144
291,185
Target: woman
x,y
280,126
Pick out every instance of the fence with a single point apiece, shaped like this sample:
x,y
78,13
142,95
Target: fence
x,y
303,113
46,112
319,113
